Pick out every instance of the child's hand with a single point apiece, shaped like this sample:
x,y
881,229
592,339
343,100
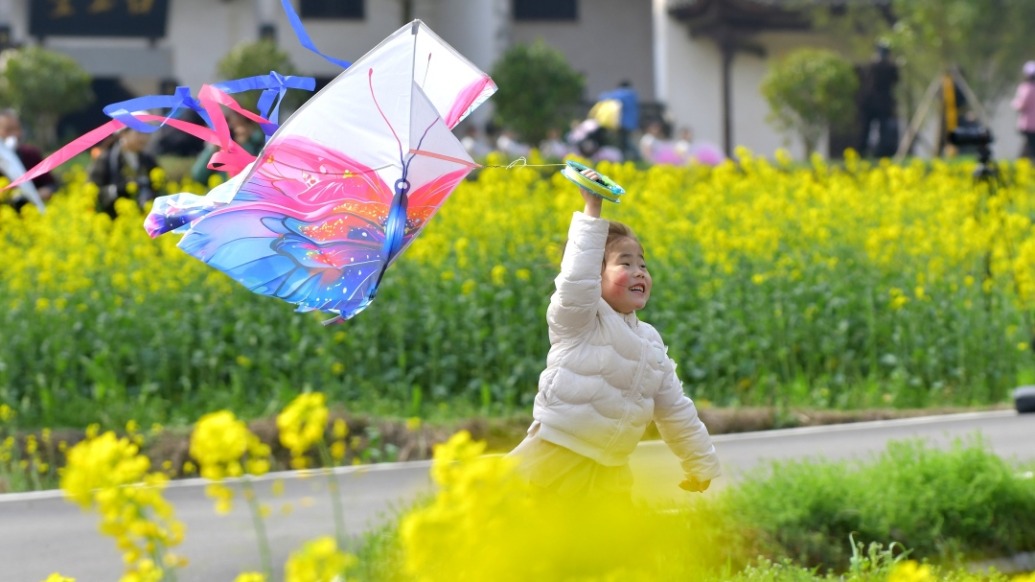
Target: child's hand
x,y
593,202
694,485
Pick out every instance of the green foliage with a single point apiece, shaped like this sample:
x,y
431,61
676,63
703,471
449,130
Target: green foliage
x,y
810,91
258,59
43,85
942,505
538,90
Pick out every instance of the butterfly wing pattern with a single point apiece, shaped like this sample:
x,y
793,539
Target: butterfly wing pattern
x,y
346,183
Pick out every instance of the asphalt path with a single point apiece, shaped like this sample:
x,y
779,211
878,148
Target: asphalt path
x,y
41,532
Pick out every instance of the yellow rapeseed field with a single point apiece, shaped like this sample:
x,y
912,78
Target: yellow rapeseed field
x,y
831,285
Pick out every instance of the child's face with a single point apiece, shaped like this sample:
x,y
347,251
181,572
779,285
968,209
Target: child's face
x,y
625,282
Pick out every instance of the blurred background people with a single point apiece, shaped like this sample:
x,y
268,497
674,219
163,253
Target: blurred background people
x,y
124,171
553,147
11,137
170,141
508,143
474,143
877,103
629,117
244,131
1024,104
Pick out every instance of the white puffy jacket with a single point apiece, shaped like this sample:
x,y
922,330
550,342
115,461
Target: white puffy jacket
x,y
608,374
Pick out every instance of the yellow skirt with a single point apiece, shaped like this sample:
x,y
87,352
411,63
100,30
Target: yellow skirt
x,y
565,473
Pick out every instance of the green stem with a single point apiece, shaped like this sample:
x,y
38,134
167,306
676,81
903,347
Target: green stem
x,y
260,528
332,485
158,557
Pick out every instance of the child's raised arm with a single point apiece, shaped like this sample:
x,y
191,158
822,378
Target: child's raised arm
x,y
593,202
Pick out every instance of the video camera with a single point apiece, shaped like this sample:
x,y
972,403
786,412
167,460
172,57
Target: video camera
x,y
972,135
979,138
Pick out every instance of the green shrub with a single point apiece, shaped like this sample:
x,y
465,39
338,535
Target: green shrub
x,y
942,505
43,85
255,59
809,92
538,90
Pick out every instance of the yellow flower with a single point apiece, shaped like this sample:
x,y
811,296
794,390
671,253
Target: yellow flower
x,y
339,429
303,422
498,275
319,560
223,447
108,474
911,571
55,577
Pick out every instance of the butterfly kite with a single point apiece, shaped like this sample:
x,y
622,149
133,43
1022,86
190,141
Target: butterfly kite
x,y
343,186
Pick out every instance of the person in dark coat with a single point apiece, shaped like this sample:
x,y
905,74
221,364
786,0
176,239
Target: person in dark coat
x,y
124,170
878,104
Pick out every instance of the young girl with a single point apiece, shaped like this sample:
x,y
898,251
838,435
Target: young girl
x,y
607,374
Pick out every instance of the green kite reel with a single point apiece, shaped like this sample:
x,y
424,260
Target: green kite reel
x,y
605,187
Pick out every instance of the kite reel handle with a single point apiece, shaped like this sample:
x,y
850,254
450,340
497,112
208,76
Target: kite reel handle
x,y
605,187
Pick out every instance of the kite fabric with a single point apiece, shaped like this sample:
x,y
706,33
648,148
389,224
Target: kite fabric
x,y
345,184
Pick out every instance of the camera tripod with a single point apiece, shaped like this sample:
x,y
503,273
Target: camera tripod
x,y
987,171
933,96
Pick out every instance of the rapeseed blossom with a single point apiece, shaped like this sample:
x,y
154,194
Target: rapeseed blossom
x,y
911,571
108,474
487,523
319,560
224,448
743,253
302,424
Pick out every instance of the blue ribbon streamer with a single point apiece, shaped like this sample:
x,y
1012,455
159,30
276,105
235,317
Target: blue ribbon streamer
x,y
303,36
122,111
274,86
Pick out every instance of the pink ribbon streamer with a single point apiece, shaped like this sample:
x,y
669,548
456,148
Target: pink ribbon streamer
x,y
231,159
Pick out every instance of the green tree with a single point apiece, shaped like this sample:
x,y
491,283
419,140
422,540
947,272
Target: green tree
x,y
255,59
42,85
538,90
809,92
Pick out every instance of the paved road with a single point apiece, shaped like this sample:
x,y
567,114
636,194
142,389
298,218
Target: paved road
x,y
41,533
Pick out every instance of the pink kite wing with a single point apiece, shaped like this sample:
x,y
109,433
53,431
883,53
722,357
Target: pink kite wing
x,y
347,182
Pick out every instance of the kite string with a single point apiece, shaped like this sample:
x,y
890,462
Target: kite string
x,y
518,163
523,162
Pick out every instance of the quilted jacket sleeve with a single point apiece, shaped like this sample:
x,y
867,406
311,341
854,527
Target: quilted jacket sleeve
x,y
682,429
574,303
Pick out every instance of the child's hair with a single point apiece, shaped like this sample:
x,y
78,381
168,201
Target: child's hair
x,y
615,231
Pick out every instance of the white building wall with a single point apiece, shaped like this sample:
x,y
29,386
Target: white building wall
x,y
692,78
343,39
610,42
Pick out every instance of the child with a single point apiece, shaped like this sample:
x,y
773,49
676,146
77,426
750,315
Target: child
x,y
607,374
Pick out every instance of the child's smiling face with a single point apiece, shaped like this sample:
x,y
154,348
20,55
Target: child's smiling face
x,y
625,281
